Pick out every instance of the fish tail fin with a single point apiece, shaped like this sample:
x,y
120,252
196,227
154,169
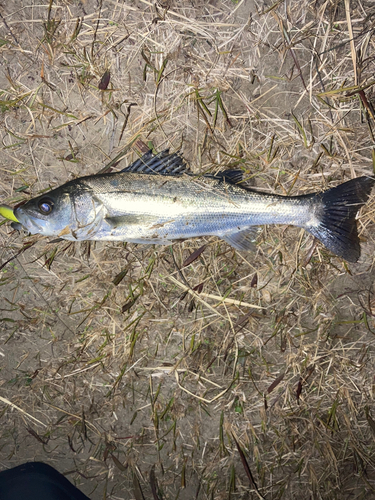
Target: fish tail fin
x,y
337,227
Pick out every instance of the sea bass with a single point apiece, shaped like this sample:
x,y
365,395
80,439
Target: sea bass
x,y
158,200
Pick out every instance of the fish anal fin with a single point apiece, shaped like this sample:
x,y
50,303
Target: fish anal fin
x,y
243,240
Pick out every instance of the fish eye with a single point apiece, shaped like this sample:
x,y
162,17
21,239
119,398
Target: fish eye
x,y
45,206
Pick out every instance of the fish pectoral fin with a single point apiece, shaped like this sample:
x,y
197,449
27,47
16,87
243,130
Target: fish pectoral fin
x,y
243,240
130,220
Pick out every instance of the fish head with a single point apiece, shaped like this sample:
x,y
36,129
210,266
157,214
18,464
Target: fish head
x,y
47,214
69,212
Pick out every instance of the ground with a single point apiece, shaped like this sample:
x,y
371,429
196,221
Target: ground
x,y
258,384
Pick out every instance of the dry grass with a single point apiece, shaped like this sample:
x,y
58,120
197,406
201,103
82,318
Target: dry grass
x,y
112,370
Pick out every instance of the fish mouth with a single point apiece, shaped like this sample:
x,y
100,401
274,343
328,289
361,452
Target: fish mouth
x,y
27,222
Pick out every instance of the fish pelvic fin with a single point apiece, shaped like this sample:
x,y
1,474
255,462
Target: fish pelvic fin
x,y
243,240
337,227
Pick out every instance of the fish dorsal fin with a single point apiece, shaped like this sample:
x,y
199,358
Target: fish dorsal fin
x,y
235,177
163,163
243,240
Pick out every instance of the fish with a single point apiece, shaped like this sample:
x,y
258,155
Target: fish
x,y
158,200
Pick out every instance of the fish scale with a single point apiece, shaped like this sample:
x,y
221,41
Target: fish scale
x,y
187,207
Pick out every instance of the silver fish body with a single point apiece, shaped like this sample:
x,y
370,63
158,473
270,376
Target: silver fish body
x,y
145,206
